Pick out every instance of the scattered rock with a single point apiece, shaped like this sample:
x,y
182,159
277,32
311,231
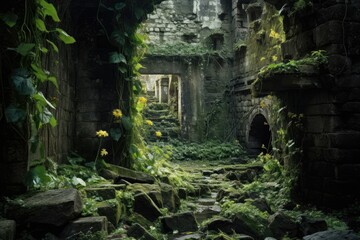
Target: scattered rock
x,y
139,232
332,235
7,229
115,186
262,205
53,207
146,207
152,190
281,225
241,225
309,226
207,173
103,193
182,222
131,176
85,225
169,197
182,193
220,224
111,211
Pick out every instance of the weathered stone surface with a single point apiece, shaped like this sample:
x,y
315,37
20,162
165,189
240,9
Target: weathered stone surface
x,y
220,224
152,190
309,226
53,207
332,235
7,229
139,232
182,222
146,207
170,198
103,193
131,176
111,211
281,225
85,225
262,205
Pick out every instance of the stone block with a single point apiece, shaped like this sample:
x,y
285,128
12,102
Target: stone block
x,y
348,81
322,124
339,64
7,229
348,172
139,232
112,211
146,207
352,107
53,207
85,225
333,235
103,193
345,139
281,225
341,187
322,109
327,33
182,222
321,169
337,155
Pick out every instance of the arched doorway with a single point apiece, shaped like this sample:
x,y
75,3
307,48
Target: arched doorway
x,y
259,136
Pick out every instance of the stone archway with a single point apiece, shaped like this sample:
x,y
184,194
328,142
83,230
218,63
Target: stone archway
x,y
259,135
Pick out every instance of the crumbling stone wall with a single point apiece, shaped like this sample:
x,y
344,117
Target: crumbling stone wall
x,y
329,101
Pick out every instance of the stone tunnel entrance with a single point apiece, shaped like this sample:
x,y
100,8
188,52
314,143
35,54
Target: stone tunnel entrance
x,y
164,88
259,137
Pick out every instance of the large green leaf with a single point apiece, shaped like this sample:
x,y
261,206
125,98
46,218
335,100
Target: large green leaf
x,y
78,181
53,80
127,123
14,114
39,73
9,18
40,98
45,116
115,133
40,25
37,176
116,57
53,45
24,48
22,82
63,36
48,9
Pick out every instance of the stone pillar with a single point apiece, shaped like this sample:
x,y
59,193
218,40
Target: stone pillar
x,y
164,86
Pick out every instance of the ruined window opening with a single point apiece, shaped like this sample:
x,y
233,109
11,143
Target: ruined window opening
x,y
164,88
259,139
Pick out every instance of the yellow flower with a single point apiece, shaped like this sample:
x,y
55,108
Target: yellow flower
x,y
149,122
117,113
158,134
274,34
262,104
103,152
274,58
102,133
262,59
142,100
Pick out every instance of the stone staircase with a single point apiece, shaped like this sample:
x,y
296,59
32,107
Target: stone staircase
x,y
163,119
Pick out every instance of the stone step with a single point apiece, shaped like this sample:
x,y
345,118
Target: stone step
x,y
206,201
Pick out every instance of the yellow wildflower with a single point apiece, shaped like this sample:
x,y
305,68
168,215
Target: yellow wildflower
x,y
103,152
262,59
158,134
274,34
102,133
117,113
142,100
274,58
149,122
262,104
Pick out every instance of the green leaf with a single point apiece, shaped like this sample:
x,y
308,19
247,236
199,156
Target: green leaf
x,y
137,87
127,123
9,18
39,97
118,37
37,176
115,133
39,73
40,25
24,48
53,80
22,82
116,57
53,121
45,116
44,49
53,45
78,181
122,69
48,9
14,114
63,36
119,6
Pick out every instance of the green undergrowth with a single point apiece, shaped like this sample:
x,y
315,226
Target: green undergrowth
x,y
209,150
316,59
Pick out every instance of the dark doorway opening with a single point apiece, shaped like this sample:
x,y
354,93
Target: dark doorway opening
x,y
259,139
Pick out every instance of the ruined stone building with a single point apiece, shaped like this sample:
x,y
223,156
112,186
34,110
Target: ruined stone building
x,y
214,50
